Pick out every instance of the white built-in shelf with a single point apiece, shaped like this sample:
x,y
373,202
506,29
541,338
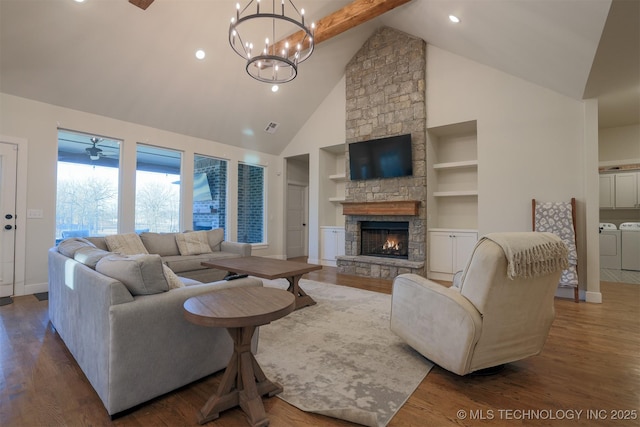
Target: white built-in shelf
x,y
455,193
336,199
338,177
457,165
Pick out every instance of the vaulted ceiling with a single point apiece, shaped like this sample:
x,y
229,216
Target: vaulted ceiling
x,y
114,59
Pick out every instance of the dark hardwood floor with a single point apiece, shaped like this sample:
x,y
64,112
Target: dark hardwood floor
x,y
591,362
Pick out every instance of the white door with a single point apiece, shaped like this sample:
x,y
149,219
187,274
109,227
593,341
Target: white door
x,y
441,252
626,190
296,221
607,190
464,244
8,162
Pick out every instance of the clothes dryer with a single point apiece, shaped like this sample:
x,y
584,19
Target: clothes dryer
x,y
610,246
630,236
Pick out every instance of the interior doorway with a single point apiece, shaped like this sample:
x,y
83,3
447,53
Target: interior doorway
x,y
8,183
297,207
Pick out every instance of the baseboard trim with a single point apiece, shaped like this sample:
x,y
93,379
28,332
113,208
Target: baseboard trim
x,y
593,297
36,288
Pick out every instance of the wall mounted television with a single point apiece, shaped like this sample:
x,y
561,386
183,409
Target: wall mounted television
x,y
381,158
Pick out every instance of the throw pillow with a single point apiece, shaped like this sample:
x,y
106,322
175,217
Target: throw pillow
x,y
172,278
90,256
215,237
193,243
142,274
69,247
163,244
125,244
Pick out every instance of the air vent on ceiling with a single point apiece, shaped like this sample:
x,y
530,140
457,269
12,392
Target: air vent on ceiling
x,y
272,127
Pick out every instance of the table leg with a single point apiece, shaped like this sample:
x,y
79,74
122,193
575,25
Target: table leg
x,y
243,383
302,299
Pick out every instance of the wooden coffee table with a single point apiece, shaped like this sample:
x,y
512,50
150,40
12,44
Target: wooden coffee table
x,y
240,310
269,268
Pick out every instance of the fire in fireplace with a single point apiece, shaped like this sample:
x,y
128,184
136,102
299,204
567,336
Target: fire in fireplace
x,y
384,239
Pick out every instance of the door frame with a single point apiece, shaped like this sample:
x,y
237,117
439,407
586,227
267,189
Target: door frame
x,y
19,287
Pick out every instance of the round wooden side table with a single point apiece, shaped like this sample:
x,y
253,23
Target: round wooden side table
x,y
240,310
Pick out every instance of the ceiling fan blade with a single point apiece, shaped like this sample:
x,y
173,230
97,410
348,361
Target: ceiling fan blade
x,y
142,4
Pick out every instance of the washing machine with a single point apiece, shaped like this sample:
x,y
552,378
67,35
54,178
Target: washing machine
x,y
630,236
610,246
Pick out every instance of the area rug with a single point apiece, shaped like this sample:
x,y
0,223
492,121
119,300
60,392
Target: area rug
x,y
339,358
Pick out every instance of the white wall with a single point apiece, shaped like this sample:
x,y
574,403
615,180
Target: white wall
x,y
325,128
38,123
531,144
619,145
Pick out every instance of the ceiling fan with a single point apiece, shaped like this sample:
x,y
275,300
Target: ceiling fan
x,y
94,152
142,4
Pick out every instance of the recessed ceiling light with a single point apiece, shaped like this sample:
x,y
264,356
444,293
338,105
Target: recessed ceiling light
x,y
79,1
274,88
200,54
454,19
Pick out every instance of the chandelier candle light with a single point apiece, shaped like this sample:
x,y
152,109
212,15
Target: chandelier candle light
x,y
276,62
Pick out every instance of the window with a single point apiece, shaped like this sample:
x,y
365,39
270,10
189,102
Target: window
x,y
250,204
87,185
157,189
209,193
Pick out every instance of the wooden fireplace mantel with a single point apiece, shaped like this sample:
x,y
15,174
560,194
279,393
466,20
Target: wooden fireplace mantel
x,y
405,207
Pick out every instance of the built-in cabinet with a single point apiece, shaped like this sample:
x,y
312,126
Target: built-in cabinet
x,y
452,200
607,190
450,251
331,244
620,190
331,192
627,190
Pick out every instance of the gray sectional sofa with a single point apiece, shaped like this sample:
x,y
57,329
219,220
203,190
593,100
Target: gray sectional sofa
x,y
121,317
186,260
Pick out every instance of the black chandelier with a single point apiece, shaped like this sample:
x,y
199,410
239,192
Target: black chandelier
x,y
274,62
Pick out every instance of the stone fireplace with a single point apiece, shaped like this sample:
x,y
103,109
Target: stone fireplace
x,y
385,96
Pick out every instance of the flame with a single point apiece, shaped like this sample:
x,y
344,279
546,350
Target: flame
x,y
391,245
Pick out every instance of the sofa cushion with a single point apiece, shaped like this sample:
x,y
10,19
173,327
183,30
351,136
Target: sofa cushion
x,y
172,279
125,244
193,243
99,242
90,255
69,247
142,274
163,244
181,263
215,238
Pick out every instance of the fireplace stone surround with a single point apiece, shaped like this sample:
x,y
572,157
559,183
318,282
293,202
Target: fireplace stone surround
x,y
385,96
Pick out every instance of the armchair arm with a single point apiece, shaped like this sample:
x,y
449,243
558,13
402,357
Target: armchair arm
x,y
242,249
437,321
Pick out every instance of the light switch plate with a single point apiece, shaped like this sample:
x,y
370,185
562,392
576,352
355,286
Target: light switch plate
x,y
34,213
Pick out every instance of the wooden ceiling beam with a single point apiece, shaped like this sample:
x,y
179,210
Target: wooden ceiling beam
x,y
142,4
356,13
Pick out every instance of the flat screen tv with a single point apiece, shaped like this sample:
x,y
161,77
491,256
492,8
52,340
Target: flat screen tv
x,y
381,158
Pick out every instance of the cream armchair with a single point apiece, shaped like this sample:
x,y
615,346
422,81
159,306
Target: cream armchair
x,y
501,312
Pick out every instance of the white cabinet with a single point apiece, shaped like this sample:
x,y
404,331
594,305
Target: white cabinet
x,y
627,191
449,251
331,244
607,191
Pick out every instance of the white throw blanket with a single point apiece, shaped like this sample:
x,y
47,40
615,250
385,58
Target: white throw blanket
x,y
531,254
